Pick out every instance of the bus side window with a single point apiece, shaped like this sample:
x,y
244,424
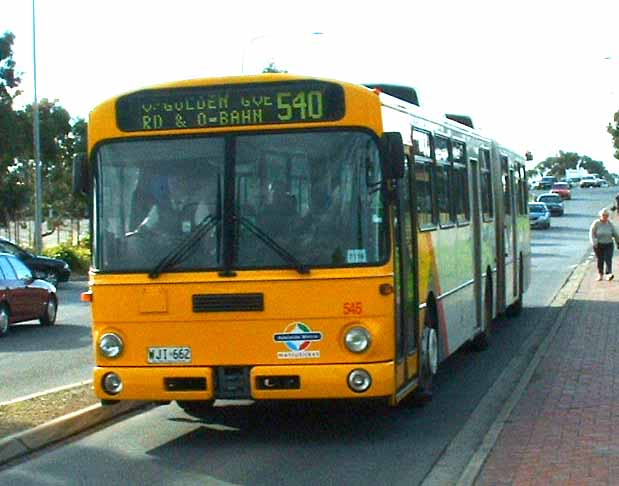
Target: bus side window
x,y
422,151
486,186
423,195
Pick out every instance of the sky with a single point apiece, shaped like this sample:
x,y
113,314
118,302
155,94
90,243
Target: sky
x,y
539,76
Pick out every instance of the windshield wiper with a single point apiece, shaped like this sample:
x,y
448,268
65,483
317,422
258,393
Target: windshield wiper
x,y
184,249
274,245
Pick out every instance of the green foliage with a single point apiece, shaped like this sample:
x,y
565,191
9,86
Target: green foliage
x,y
272,68
556,166
614,132
78,257
60,140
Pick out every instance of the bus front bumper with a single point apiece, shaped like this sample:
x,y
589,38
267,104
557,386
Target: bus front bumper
x,y
281,382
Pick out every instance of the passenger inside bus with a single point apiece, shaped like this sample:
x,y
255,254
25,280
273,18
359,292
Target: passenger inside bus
x,y
280,210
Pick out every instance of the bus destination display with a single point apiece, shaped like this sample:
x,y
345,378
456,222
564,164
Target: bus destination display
x,y
230,105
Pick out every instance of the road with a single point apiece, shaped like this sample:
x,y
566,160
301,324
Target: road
x,y
266,444
35,358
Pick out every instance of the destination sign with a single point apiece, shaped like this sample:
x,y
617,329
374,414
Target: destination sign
x,y
230,105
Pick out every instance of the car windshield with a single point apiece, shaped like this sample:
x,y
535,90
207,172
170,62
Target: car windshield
x,y
561,185
294,200
537,208
550,198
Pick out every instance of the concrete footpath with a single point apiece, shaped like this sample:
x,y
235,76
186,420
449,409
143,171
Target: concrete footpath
x,y
564,426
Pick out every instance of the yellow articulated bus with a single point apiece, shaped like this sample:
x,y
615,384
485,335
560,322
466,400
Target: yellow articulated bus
x,y
279,237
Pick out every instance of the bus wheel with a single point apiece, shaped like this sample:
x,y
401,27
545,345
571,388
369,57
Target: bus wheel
x,y
200,409
429,362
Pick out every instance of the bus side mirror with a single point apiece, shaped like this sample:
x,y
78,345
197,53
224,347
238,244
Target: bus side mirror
x,y
393,149
81,176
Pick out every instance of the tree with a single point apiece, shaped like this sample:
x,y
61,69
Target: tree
x,y
8,91
60,140
614,132
272,68
557,166
13,190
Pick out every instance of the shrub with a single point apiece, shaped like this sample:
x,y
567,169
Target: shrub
x,y
78,257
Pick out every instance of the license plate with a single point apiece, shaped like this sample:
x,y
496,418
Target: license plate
x,y
176,354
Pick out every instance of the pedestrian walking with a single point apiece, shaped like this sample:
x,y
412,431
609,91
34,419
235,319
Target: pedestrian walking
x,y
601,234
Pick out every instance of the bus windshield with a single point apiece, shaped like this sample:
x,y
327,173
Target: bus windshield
x,y
275,200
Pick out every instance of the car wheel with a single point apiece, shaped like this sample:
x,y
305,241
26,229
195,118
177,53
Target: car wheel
x,y
4,320
51,310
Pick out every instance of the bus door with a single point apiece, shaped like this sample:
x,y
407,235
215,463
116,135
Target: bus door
x,y
515,248
509,230
476,222
405,272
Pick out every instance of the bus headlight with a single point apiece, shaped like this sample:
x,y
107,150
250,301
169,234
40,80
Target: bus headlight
x,y
112,384
111,345
357,339
359,380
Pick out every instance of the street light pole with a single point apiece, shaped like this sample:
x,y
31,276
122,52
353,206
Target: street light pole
x,y
38,187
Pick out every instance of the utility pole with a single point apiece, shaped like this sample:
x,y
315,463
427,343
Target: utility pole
x,y
38,187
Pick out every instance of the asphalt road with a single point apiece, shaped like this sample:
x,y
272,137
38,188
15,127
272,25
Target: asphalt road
x,y
326,444
34,358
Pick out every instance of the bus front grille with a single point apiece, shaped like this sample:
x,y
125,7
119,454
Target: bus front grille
x,y
228,302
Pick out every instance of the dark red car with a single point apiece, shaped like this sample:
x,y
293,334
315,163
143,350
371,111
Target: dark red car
x,y
22,297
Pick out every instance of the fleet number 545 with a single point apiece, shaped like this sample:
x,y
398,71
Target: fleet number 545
x,y
354,308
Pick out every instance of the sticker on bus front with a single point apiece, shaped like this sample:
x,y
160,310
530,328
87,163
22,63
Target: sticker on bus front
x,y
357,256
298,337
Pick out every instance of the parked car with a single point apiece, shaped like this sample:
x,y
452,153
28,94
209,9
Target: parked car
x,y
539,215
589,181
562,189
53,270
546,182
553,201
22,297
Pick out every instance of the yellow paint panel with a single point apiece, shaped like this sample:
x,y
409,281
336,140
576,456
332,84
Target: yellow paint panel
x,y
152,300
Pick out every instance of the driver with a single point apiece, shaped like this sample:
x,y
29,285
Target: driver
x,y
176,211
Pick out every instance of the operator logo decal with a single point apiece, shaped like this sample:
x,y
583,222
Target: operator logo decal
x,y
298,338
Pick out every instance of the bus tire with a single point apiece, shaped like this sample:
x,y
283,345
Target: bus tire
x,y
200,409
482,340
429,361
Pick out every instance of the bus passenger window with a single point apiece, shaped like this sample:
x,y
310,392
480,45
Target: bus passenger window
x,y
443,175
461,193
423,195
421,143
486,186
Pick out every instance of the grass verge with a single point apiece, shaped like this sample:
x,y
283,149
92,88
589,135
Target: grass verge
x,y
26,414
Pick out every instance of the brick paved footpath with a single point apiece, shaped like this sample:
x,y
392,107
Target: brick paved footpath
x,y
565,428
